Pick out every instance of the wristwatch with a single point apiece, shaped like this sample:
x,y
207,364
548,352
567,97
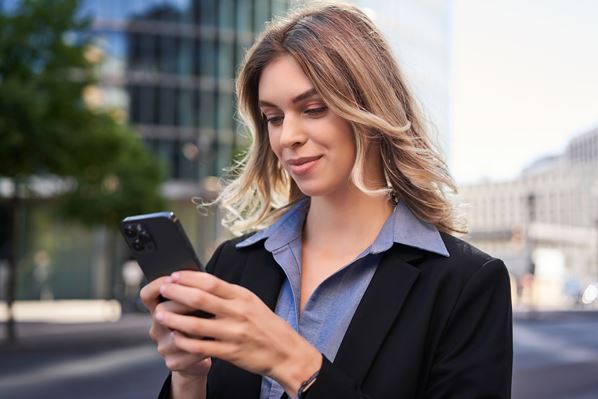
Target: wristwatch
x,y
306,385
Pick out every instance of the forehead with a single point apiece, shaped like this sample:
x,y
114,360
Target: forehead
x,y
281,80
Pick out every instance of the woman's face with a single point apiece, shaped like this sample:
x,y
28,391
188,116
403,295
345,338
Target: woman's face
x,y
313,144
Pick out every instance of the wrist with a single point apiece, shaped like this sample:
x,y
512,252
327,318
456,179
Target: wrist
x,y
185,385
297,369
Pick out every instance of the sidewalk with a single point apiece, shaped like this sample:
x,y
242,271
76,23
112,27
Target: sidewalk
x,y
552,314
130,330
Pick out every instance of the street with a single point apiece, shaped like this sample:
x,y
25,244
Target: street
x,y
92,360
556,356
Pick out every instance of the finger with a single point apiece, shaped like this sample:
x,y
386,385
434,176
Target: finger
x,y
206,282
157,331
166,345
173,307
202,347
150,293
195,298
196,326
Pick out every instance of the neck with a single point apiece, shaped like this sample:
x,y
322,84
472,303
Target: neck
x,y
349,217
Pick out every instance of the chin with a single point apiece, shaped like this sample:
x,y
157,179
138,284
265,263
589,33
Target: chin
x,y
312,190
318,190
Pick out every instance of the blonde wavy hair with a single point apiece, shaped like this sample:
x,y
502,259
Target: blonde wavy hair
x,y
353,70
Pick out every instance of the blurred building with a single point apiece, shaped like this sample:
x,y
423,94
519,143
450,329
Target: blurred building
x,y
419,33
167,68
545,222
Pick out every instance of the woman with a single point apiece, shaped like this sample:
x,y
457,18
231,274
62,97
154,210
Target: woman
x,y
353,287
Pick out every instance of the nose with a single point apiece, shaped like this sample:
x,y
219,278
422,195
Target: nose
x,y
292,133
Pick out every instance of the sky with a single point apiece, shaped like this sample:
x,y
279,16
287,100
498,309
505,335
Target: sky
x,y
524,82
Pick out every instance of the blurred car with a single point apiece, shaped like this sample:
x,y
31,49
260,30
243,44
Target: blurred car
x,y
590,294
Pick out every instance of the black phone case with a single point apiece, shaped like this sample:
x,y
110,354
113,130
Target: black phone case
x,y
159,243
161,246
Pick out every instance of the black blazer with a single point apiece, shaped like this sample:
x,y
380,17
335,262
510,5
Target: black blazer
x,y
427,327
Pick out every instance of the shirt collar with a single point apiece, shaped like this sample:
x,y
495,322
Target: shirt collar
x,y
283,231
402,227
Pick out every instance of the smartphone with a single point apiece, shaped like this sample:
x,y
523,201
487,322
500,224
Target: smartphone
x,y
161,247
159,243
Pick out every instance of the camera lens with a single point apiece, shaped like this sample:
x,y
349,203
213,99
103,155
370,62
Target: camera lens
x,y
137,245
130,231
144,236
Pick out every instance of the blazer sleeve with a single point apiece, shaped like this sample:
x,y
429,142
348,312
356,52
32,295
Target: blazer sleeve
x,y
475,353
166,391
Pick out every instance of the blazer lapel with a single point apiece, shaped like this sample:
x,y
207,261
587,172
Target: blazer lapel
x,y
379,307
263,276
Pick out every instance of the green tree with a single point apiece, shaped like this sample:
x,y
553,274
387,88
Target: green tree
x,y
48,131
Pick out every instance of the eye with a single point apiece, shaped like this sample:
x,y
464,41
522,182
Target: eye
x,y
274,120
316,111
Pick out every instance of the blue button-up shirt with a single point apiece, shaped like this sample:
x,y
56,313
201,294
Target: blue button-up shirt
x,y
329,309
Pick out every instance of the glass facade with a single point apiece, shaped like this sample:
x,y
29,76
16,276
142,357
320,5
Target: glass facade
x,y
170,66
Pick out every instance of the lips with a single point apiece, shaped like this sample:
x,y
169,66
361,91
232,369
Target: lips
x,y
302,160
300,166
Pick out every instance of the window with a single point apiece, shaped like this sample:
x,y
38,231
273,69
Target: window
x,y
147,102
207,58
168,54
227,13
168,106
207,109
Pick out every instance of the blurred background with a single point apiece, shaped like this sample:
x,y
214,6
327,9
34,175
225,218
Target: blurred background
x,y
110,108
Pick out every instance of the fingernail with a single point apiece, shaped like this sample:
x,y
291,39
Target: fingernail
x,y
175,275
159,316
162,288
167,280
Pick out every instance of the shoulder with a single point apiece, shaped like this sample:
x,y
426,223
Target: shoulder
x,y
465,264
463,252
462,286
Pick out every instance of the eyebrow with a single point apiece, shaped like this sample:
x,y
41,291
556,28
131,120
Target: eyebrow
x,y
306,94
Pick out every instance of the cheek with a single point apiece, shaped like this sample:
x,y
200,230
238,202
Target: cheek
x,y
348,149
276,151
274,144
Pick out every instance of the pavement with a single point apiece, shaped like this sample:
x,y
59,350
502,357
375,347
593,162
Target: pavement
x,y
523,314
90,360
131,329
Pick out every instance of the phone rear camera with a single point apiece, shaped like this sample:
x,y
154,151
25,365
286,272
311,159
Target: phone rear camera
x,y
130,231
137,245
144,236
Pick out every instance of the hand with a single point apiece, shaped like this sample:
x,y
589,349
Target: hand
x,y
245,331
188,365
